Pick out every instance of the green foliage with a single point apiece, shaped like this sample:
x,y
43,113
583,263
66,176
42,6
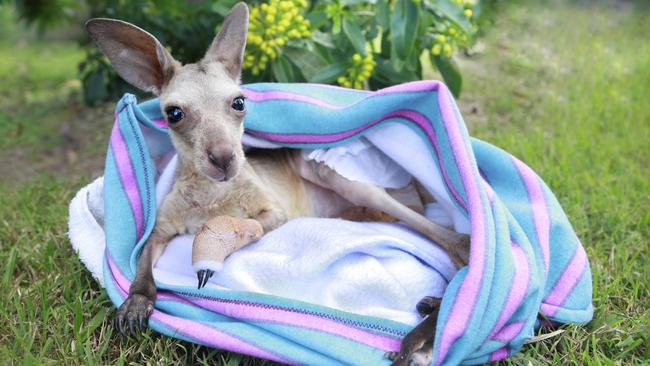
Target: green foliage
x,y
358,44
290,40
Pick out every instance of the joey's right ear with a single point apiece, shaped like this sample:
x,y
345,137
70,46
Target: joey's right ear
x,y
136,55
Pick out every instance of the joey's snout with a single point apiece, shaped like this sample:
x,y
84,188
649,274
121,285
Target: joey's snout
x,y
223,163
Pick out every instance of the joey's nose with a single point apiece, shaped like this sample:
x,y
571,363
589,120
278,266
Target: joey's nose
x,y
221,161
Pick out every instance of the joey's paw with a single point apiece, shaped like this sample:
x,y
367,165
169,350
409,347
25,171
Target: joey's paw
x,y
428,305
135,310
203,276
391,355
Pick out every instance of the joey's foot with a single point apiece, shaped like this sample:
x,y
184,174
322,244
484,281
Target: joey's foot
x,y
428,305
203,276
417,346
421,357
135,310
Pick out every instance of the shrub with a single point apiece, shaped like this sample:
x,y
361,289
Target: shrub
x,y
357,44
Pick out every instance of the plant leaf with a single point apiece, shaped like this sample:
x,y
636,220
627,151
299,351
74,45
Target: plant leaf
x,y
95,88
404,26
323,39
309,62
328,73
353,32
454,13
450,73
282,70
383,13
388,75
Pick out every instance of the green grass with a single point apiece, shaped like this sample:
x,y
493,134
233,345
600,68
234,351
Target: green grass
x,y
566,88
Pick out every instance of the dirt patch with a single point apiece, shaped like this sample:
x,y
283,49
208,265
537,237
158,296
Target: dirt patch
x,y
76,147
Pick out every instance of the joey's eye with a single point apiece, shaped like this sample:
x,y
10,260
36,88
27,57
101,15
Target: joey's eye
x,y
174,114
238,104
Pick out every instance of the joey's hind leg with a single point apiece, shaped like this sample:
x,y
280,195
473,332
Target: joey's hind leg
x,y
456,245
408,196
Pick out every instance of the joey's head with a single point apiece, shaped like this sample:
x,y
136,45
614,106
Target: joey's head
x,y
202,102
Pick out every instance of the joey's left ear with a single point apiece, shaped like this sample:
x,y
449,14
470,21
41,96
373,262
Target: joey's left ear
x,y
228,46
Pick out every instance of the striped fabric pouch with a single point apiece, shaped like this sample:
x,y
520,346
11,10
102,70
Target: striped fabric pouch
x,y
526,267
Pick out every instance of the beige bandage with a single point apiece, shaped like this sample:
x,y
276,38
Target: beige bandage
x,y
219,237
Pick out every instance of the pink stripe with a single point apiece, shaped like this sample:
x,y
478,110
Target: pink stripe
x,y
211,337
412,87
201,333
567,281
518,289
333,87
467,295
252,312
540,210
420,120
510,331
160,122
249,312
122,282
127,176
263,96
499,354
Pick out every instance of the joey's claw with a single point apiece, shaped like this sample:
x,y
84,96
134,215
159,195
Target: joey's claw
x,y
142,323
203,276
119,324
136,309
131,330
200,275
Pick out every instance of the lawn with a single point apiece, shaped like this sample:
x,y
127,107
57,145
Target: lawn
x,y
563,86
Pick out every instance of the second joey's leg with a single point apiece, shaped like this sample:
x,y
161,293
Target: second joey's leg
x,y
417,346
138,306
456,245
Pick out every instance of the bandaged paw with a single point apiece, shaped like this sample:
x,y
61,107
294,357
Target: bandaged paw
x,y
219,237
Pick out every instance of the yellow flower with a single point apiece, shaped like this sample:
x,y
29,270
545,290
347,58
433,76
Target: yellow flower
x,y
358,72
272,24
468,13
446,49
436,49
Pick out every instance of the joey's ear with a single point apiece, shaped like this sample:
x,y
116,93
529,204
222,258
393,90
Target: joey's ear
x,y
134,53
228,46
